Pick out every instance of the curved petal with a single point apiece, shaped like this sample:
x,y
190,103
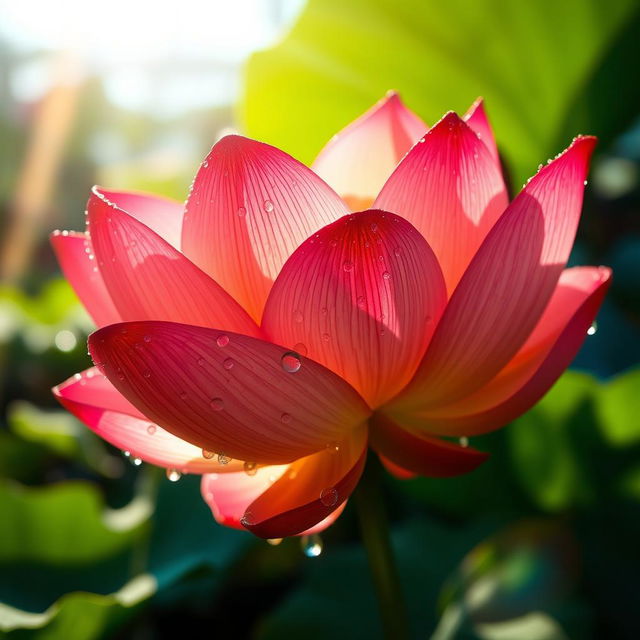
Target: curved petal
x,y
93,400
421,454
311,489
226,392
75,256
396,470
148,279
361,297
162,215
526,384
476,118
507,286
250,207
357,161
449,187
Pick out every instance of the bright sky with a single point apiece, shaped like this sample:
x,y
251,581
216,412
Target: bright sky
x,y
163,56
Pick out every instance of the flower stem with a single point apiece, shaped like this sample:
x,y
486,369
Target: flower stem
x,y
374,528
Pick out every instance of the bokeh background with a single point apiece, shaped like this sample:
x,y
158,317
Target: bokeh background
x,y
541,543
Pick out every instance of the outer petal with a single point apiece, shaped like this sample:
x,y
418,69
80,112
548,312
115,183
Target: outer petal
x,y
310,490
250,207
162,215
507,285
75,255
361,297
524,385
93,399
450,188
226,392
358,160
421,454
477,119
148,279
396,470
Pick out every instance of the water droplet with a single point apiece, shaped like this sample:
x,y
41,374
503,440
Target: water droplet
x,y
333,447
297,316
217,404
268,206
146,373
250,468
151,429
274,542
361,301
207,455
173,475
286,418
201,362
326,337
147,338
464,441
183,395
222,459
126,454
222,341
242,212
136,462
591,331
291,362
247,519
586,182
311,545
228,363
397,251
300,348
374,227
329,497
386,275
347,265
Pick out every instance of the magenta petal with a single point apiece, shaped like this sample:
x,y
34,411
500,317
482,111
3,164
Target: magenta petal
x,y
358,160
251,206
229,393
449,187
477,119
148,279
361,297
74,252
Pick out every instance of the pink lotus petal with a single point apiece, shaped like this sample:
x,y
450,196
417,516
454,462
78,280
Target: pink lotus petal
x,y
449,187
396,470
424,455
148,279
310,490
506,287
477,119
162,215
251,206
229,393
517,389
93,399
358,160
361,297
75,256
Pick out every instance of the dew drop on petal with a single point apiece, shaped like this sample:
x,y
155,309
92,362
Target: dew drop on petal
x,y
201,362
311,545
242,212
222,459
151,429
329,497
136,462
222,341
291,362
297,316
286,418
250,468
126,454
347,265
207,455
146,373
386,275
268,206
228,363
173,475
147,338
326,337
591,331
464,441
217,404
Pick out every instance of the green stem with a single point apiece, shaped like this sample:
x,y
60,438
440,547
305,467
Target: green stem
x,y
374,528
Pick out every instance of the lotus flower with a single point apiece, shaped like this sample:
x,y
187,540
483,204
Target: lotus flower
x,y
266,334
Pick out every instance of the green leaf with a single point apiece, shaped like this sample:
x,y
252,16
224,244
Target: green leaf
x,y
548,70
618,408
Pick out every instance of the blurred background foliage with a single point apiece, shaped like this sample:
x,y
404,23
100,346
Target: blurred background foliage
x,y
541,543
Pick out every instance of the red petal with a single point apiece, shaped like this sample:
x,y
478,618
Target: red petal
x,y
361,297
477,119
506,287
449,187
77,261
251,206
226,392
309,491
358,160
148,279
421,454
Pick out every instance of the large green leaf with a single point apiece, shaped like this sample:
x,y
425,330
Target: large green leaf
x,y
548,70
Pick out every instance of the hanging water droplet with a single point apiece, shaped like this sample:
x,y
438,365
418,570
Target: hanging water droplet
x,y
286,418
229,363
250,468
347,265
151,429
126,454
222,341
222,459
207,455
217,404
300,348
268,206
329,496
136,462
274,542
591,331
291,362
311,545
464,441
173,475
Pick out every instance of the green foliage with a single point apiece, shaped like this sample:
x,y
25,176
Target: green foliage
x,y
547,70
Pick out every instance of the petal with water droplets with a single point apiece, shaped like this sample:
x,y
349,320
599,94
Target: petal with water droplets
x,y
176,375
